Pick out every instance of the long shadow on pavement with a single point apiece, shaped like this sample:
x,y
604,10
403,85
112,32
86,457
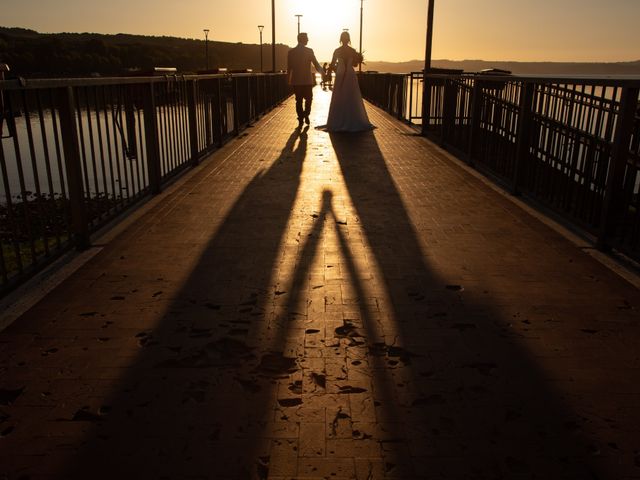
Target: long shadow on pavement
x,y
194,403
454,393
457,396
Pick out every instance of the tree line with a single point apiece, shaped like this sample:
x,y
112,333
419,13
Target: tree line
x,y
33,54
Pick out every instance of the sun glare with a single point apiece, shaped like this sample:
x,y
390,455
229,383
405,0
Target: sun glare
x,y
324,21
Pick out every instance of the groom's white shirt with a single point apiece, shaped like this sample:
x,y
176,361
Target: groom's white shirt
x,y
299,63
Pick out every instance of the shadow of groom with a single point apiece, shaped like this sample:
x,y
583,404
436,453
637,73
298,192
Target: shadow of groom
x,y
197,401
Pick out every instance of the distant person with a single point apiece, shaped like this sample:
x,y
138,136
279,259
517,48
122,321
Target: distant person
x,y
301,78
328,80
346,111
324,75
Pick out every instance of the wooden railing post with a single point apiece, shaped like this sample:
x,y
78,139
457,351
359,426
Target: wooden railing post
x,y
192,93
476,113
73,167
617,164
523,142
152,140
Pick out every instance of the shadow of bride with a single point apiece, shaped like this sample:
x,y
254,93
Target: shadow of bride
x,y
456,395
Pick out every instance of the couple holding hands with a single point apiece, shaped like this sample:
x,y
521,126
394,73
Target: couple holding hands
x,y
346,111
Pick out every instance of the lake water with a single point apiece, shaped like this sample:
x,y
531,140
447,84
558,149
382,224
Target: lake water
x,y
112,152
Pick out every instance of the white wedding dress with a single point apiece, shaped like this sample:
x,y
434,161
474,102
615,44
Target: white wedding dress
x,y
346,111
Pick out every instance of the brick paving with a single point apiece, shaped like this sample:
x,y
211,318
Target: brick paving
x,y
309,306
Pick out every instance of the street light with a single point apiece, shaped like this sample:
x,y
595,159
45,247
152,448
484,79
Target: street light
x,y
426,89
206,45
361,7
273,34
261,27
298,22
427,56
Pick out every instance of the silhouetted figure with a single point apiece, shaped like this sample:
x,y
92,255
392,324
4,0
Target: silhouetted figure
x,y
329,80
346,112
301,78
325,70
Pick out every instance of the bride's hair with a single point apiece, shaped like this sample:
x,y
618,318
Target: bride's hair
x,y
345,38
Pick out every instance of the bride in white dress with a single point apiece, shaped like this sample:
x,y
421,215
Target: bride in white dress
x,y
346,112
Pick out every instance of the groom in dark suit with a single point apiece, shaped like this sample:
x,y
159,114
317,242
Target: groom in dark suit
x,y
301,78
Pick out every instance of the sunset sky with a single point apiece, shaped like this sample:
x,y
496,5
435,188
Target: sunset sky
x,y
394,30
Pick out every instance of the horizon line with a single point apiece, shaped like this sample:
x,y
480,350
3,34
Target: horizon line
x,y
637,60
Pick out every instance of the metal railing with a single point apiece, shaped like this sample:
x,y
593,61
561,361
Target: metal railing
x,y
571,144
75,153
387,91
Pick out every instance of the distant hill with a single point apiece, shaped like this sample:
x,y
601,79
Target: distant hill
x,y
33,54
521,68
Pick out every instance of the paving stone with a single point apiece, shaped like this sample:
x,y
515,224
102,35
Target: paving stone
x,y
314,305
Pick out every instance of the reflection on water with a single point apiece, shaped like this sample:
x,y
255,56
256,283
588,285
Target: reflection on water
x,y
112,153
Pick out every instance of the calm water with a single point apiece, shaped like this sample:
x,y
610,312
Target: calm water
x,y
113,164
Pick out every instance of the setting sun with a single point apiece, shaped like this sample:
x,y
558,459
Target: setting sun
x,y
324,21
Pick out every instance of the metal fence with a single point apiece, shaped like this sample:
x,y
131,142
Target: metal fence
x,y
75,153
387,91
571,144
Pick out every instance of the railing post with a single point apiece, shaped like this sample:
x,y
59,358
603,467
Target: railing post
x,y
617,164
476,113
73,167
257,94
209,101
217,111
250,101
129,107
192,86
236,107
253,90
400,97
151,140
411,85
426,103
448,110
523,143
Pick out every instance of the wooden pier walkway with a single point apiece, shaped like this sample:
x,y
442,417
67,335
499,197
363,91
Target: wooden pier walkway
x,y
305,305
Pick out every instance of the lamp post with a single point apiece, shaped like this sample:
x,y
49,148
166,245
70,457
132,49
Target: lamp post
x,y
427,57
261,27
206,45
273,34
298,22
426,89
361,8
